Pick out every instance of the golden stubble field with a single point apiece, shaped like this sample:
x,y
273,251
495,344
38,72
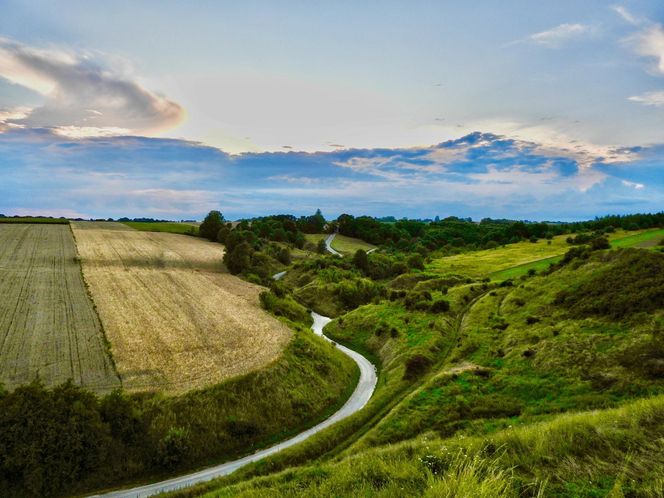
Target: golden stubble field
x,y
176,320
48,326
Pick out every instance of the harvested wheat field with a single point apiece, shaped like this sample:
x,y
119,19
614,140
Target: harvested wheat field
x,y
176,320
48,326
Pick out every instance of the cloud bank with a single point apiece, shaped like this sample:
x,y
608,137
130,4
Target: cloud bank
x,y
82,96
477,175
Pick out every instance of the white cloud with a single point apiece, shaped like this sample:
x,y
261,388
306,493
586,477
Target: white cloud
x,y
650,43
655,99
635,185
626,15
561,34
9,115
556,137
79,92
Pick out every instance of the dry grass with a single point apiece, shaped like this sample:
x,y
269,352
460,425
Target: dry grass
x,y
175,319
48,326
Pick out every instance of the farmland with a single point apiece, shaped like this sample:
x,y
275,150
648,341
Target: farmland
x,y
175,319
48,325
516,259
161,226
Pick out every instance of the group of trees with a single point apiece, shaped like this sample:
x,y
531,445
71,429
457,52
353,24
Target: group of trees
x,y
260,245
421,236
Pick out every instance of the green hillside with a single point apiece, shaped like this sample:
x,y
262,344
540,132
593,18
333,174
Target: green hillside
x,y
478,377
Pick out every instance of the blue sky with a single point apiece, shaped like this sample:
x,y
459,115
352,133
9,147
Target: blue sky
x,y
514,109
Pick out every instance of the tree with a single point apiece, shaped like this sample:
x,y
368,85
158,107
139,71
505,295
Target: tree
x,y
321,247
239,258
211,225
360,260
318,221
222,234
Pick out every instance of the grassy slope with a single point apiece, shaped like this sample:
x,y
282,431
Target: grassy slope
x,y
574,455
514,260
647,238
145,226
527,370
348,245
486,384
341,243
309,382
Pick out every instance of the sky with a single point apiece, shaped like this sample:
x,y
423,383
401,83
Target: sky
x,y
166,109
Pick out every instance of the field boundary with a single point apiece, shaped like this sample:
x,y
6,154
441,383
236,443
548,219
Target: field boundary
x,y
107,343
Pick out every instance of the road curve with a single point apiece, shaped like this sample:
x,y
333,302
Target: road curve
x,y
328,245
359,398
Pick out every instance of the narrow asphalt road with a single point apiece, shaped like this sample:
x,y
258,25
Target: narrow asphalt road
x,y
357,400
328,245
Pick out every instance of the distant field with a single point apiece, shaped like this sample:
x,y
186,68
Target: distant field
x,y
175,319
341,243
349,245
48,326
315,237
513,260
648,238
28,219
185,228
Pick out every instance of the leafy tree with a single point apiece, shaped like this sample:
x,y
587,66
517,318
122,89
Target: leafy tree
x,y
238,259
211,225
321,247
223,233
361,260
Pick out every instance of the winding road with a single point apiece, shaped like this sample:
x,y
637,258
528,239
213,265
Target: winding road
x,y
359,398
328,245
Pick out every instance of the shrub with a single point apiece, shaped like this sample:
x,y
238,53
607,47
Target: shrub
x,y
440,306
354,293
284,256
416,366
599,243
173,448
416,261
417,300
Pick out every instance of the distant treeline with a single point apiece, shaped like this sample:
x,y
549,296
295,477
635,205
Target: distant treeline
x,y
411,235
257,247
33,219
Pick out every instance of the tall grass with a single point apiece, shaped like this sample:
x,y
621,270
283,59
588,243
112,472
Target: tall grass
x,y
614,452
